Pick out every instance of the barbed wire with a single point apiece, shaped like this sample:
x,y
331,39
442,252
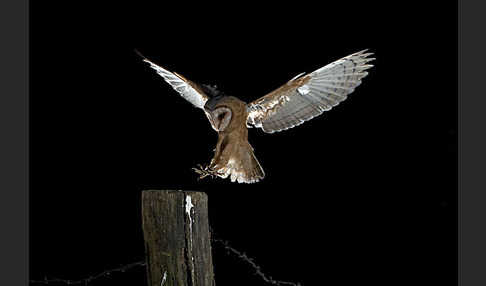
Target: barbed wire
x,y
85,281
252,263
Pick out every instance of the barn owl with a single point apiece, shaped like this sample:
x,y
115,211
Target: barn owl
x,y
300,99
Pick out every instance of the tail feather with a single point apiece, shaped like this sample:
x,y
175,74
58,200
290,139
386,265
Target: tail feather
x,y
243,168
251,171
254,170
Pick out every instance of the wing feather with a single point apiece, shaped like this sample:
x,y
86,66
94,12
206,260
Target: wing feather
x,y
186,88
307,96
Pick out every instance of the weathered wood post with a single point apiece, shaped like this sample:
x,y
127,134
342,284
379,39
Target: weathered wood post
x,y
177,239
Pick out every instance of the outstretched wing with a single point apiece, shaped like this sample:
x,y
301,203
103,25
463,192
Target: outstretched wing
x,y
307,96
186,88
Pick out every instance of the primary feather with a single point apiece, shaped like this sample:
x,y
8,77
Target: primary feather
x,y
306,97
186,88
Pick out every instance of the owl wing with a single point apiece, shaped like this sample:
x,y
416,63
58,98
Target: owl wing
x,y
307,96
186,88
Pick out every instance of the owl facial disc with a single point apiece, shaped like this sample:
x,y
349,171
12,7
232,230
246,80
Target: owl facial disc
x,y
221,118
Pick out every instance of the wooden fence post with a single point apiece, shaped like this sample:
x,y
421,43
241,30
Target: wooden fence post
x,y
177,239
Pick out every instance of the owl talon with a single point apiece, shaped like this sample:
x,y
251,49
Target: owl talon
x,y
204,172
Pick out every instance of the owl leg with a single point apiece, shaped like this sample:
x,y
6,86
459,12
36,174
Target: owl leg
x,y
204,171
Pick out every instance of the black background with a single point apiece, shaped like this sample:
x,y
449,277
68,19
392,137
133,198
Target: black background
x,y
365,193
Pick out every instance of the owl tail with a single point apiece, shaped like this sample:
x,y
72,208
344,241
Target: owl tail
x,y
236,161
252,168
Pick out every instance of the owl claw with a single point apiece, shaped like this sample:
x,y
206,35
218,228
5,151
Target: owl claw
x,y
204,172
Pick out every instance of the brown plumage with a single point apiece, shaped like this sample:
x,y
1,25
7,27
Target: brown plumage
x,y
233,155
300,99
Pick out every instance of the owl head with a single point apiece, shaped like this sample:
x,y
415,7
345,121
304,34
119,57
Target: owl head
x,y
222,110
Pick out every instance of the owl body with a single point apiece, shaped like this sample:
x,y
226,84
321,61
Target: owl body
x,y
300,99
233,155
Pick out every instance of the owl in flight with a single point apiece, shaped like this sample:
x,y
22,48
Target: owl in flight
x,y
300,99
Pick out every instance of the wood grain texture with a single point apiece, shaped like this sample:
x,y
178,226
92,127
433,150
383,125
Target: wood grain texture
x,y
177,238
